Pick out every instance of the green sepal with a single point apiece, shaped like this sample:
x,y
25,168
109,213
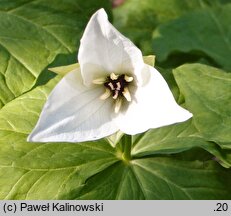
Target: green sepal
x,y
114,138
63,70
150,60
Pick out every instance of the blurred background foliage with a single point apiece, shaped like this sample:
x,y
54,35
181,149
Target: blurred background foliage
x,y
178,31
191,160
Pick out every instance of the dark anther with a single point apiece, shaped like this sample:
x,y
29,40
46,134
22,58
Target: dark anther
x,y
116,86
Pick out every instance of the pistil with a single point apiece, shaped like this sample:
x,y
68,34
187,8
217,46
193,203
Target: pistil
x,y
117,87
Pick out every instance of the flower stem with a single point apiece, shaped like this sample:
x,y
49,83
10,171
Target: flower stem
x,y
127,145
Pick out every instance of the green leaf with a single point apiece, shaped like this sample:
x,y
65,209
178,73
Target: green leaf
x,y
175,139
149,14
207,93
158,178
210,37
32,34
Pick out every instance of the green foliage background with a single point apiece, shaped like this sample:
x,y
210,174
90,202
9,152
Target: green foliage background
x,y
190,160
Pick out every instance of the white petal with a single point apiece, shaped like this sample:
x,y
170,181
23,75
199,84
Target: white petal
x,y
74,113
103,50
154,106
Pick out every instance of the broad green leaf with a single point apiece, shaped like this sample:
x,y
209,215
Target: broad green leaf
x,y
14,115
207,93
203,32
137,19
32,34
175,139
158,178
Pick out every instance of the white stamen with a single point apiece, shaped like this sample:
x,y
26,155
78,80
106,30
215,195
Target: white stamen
x,y
99,81
111,86
113,76
118,86
128,78
116,94
118,104
106,94
127,94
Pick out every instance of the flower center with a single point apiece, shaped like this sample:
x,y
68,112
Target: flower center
x,y
117,87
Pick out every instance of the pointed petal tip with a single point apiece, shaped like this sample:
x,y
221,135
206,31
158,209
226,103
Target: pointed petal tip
x,y
190,115
155,107
178,116
183,114
28,139
33,138
101,10
100,13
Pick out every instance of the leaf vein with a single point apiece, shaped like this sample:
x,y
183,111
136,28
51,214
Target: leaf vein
x,y
168,181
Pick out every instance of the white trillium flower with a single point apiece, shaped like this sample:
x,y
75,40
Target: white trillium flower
x,y
112,90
